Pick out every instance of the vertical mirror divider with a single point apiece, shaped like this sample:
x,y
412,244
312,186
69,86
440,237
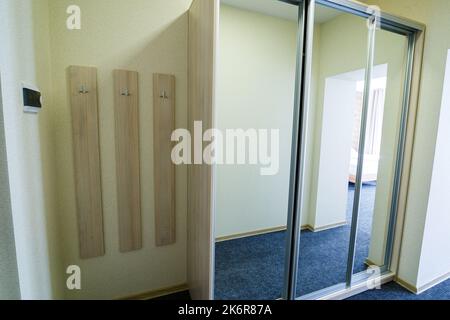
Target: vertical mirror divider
x,y
302,100
361,149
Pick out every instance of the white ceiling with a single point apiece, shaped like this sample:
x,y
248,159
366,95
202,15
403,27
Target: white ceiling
x,y
324,14
270,7
280,9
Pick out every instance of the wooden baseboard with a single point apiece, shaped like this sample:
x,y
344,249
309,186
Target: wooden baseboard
x,y
157,293
406,285
433,283
422,289
277,229
365,179
251,234
326,227
370,263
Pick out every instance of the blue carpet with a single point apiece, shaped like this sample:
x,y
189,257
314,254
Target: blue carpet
x,y
253,267
393,291
390,291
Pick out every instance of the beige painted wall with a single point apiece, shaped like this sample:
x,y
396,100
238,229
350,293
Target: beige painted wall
x,y
153,40
255,89
433,13
145,36
311,150
9,277
436,242
25,57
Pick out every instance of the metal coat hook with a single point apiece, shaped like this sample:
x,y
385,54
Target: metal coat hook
x,y
125,93
83,90
164,95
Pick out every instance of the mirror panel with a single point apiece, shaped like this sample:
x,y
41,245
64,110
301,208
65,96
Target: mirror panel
x,y
256,86
381,146
338,63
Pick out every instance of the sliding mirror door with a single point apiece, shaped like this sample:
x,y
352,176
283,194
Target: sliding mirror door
x,y
254,111
382,156
354,107
311,108
339,59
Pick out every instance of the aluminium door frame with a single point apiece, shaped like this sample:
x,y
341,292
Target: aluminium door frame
x,y
411,29
298,153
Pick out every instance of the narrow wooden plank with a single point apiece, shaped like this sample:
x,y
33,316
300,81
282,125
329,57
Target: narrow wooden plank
x,y
126,109
86,152
164,168
203,28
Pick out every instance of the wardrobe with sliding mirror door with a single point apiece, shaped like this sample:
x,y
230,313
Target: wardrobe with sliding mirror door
x,y
313,107
353,149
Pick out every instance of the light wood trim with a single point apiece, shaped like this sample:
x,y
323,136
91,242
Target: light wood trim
x,y
156,293
406,285
259,232
419,290
434,283
326,227
365,178
277,229
126,110
426,287
86,155
164,168
409,147
203,28
370,263
251,234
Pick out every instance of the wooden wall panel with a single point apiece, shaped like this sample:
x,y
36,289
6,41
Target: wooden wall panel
x,y
203,28
164,168
86,151
126,109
